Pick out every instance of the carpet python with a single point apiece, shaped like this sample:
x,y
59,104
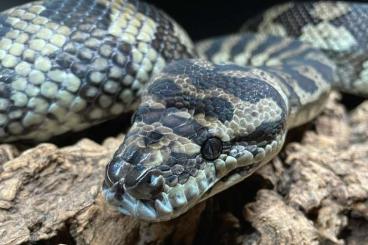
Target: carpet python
x,y
206,115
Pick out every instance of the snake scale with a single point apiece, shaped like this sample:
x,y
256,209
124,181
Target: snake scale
x,y
206,115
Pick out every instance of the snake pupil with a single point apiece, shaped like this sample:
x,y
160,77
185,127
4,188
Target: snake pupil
x,y
212,148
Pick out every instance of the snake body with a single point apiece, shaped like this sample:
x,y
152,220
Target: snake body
x,y
69,64
206,116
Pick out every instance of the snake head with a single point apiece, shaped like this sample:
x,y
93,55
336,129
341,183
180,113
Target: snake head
x,y
200,129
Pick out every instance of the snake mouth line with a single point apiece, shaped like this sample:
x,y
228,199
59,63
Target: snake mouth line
x,y
169,204
214,178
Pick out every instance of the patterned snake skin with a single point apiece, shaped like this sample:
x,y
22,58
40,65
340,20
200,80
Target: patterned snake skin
x,y
209,116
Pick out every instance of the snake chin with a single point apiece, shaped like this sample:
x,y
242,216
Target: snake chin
x,y
172,201
242,161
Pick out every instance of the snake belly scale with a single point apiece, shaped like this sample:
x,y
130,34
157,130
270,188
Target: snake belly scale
x,y
206,115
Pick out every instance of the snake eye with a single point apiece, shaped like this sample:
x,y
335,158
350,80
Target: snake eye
x,y
212,148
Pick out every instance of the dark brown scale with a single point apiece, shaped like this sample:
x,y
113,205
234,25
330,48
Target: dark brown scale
x,y
125,48
164,168
177,169
193,172
5,26
152,137
85,54
163,37
89,92
65,61
70,48
6,78
79,70
191,167
119,192
172,180
200,162
183,178
148,115
78,13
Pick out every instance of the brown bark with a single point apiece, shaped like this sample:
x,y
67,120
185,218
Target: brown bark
x,y
316,191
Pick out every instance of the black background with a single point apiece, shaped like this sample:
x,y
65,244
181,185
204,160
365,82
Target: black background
x,y
202,18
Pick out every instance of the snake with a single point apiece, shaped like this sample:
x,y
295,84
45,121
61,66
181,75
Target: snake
x,y
206,115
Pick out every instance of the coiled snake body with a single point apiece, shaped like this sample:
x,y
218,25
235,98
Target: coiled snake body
x,y
206,117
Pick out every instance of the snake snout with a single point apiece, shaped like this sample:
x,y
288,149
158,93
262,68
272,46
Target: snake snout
x,y
116,171
147,186
140,183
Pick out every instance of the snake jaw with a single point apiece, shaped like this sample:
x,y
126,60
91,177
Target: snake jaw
x,y
147,187
167,202
156,200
